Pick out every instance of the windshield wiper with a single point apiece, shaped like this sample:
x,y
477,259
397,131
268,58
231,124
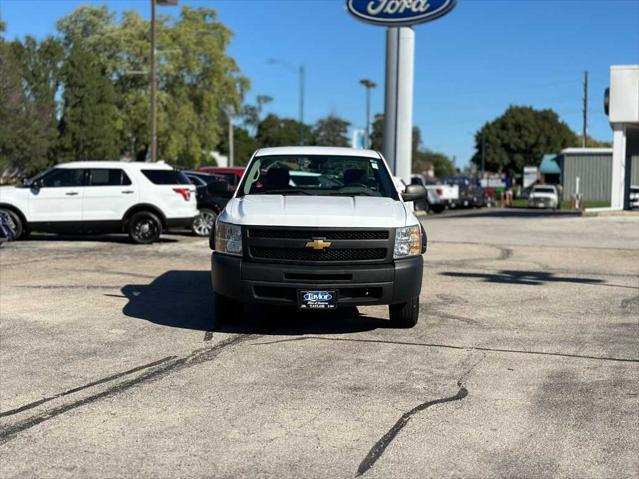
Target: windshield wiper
x,y
286,191
359,193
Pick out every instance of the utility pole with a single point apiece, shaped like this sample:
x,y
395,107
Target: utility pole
x,y
584,139
368,85
483,154
154,80
231,140
302,79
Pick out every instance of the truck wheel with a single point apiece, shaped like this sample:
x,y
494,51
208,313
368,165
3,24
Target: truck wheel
x,y
18,227
404,315
226,310
438,208
144,227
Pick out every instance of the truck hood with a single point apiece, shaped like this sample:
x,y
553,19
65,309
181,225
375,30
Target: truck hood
x,y
332,211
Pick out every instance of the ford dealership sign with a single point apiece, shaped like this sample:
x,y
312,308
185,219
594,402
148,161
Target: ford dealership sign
x,y
399,12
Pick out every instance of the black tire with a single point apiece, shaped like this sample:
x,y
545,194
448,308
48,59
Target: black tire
x,y
404,315
438,208
203,222
144,227
18,226
226,310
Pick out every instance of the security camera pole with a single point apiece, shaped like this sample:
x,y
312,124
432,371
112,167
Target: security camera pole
x,y
154,79
368,85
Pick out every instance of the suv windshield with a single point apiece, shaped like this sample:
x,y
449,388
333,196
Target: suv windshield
x,y
543,189
317,175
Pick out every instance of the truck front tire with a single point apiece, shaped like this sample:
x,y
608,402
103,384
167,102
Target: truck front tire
x,y
404,315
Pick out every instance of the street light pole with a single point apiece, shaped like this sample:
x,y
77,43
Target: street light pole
x,y
301,71
368,85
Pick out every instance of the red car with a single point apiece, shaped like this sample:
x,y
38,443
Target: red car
x,y
232,175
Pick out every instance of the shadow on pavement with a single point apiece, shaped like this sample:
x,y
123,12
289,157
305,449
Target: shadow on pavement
x,y
530,278
184,299
504,213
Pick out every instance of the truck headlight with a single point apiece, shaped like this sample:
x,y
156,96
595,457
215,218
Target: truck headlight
x,y
228,238
408,242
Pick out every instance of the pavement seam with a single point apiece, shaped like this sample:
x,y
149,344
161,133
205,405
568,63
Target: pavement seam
x,y
451,346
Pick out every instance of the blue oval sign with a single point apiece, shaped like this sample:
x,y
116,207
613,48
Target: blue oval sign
x,y
399,12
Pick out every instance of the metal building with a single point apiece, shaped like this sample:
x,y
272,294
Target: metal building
x,y
587,171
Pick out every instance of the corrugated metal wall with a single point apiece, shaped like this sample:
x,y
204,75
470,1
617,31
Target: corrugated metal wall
x,y
594,172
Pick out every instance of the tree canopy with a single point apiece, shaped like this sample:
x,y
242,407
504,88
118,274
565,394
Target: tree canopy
x,y
520,137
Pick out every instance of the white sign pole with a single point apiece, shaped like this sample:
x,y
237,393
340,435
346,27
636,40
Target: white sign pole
x,y
398,109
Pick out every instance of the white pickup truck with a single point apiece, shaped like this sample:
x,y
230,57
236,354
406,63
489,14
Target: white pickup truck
x,y
348,239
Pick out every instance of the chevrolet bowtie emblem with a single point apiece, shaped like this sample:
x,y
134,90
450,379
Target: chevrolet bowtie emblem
x,y
318,244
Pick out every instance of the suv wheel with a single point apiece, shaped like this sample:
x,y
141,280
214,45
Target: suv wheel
x,y
144,227
226,310
18,227
404,315
203,222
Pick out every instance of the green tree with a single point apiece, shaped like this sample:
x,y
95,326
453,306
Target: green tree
x,y
89,125
521,137
441,164
377,133
27,130
276,131
331,131
197,79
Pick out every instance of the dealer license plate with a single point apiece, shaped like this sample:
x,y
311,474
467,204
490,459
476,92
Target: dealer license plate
x,y
317,299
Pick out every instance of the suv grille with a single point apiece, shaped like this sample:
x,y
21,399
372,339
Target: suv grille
x,y
291,254
326,234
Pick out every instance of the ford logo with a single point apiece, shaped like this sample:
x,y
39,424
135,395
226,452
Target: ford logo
x,y
399,12
318,296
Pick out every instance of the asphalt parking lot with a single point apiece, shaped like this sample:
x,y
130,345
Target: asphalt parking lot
x,y
525,362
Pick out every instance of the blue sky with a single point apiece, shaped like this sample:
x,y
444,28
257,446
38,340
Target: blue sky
x,y
469,65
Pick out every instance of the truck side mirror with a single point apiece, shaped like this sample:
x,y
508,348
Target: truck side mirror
x,y
414,193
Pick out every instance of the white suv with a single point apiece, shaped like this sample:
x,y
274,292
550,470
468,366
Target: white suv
x,y
142,199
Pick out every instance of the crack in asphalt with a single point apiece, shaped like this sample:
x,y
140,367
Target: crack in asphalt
x,y
451,346
196,357
380,446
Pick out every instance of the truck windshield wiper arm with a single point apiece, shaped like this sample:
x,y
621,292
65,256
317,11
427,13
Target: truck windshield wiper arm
x,y
286,191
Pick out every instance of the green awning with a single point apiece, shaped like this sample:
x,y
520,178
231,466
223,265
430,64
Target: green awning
x,y
550,165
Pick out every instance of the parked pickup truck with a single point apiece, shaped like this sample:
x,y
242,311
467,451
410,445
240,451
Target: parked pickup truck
x,y
442,196
348,239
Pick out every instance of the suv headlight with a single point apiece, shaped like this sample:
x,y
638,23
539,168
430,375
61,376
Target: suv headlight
x,y
228,238
408,242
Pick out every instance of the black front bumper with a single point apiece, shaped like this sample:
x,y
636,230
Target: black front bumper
x,y
275,283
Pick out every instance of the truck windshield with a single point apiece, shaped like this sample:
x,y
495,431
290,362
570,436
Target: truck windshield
x,y
317,175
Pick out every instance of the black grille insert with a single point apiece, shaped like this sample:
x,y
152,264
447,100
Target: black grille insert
x,y
332,254
310,234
